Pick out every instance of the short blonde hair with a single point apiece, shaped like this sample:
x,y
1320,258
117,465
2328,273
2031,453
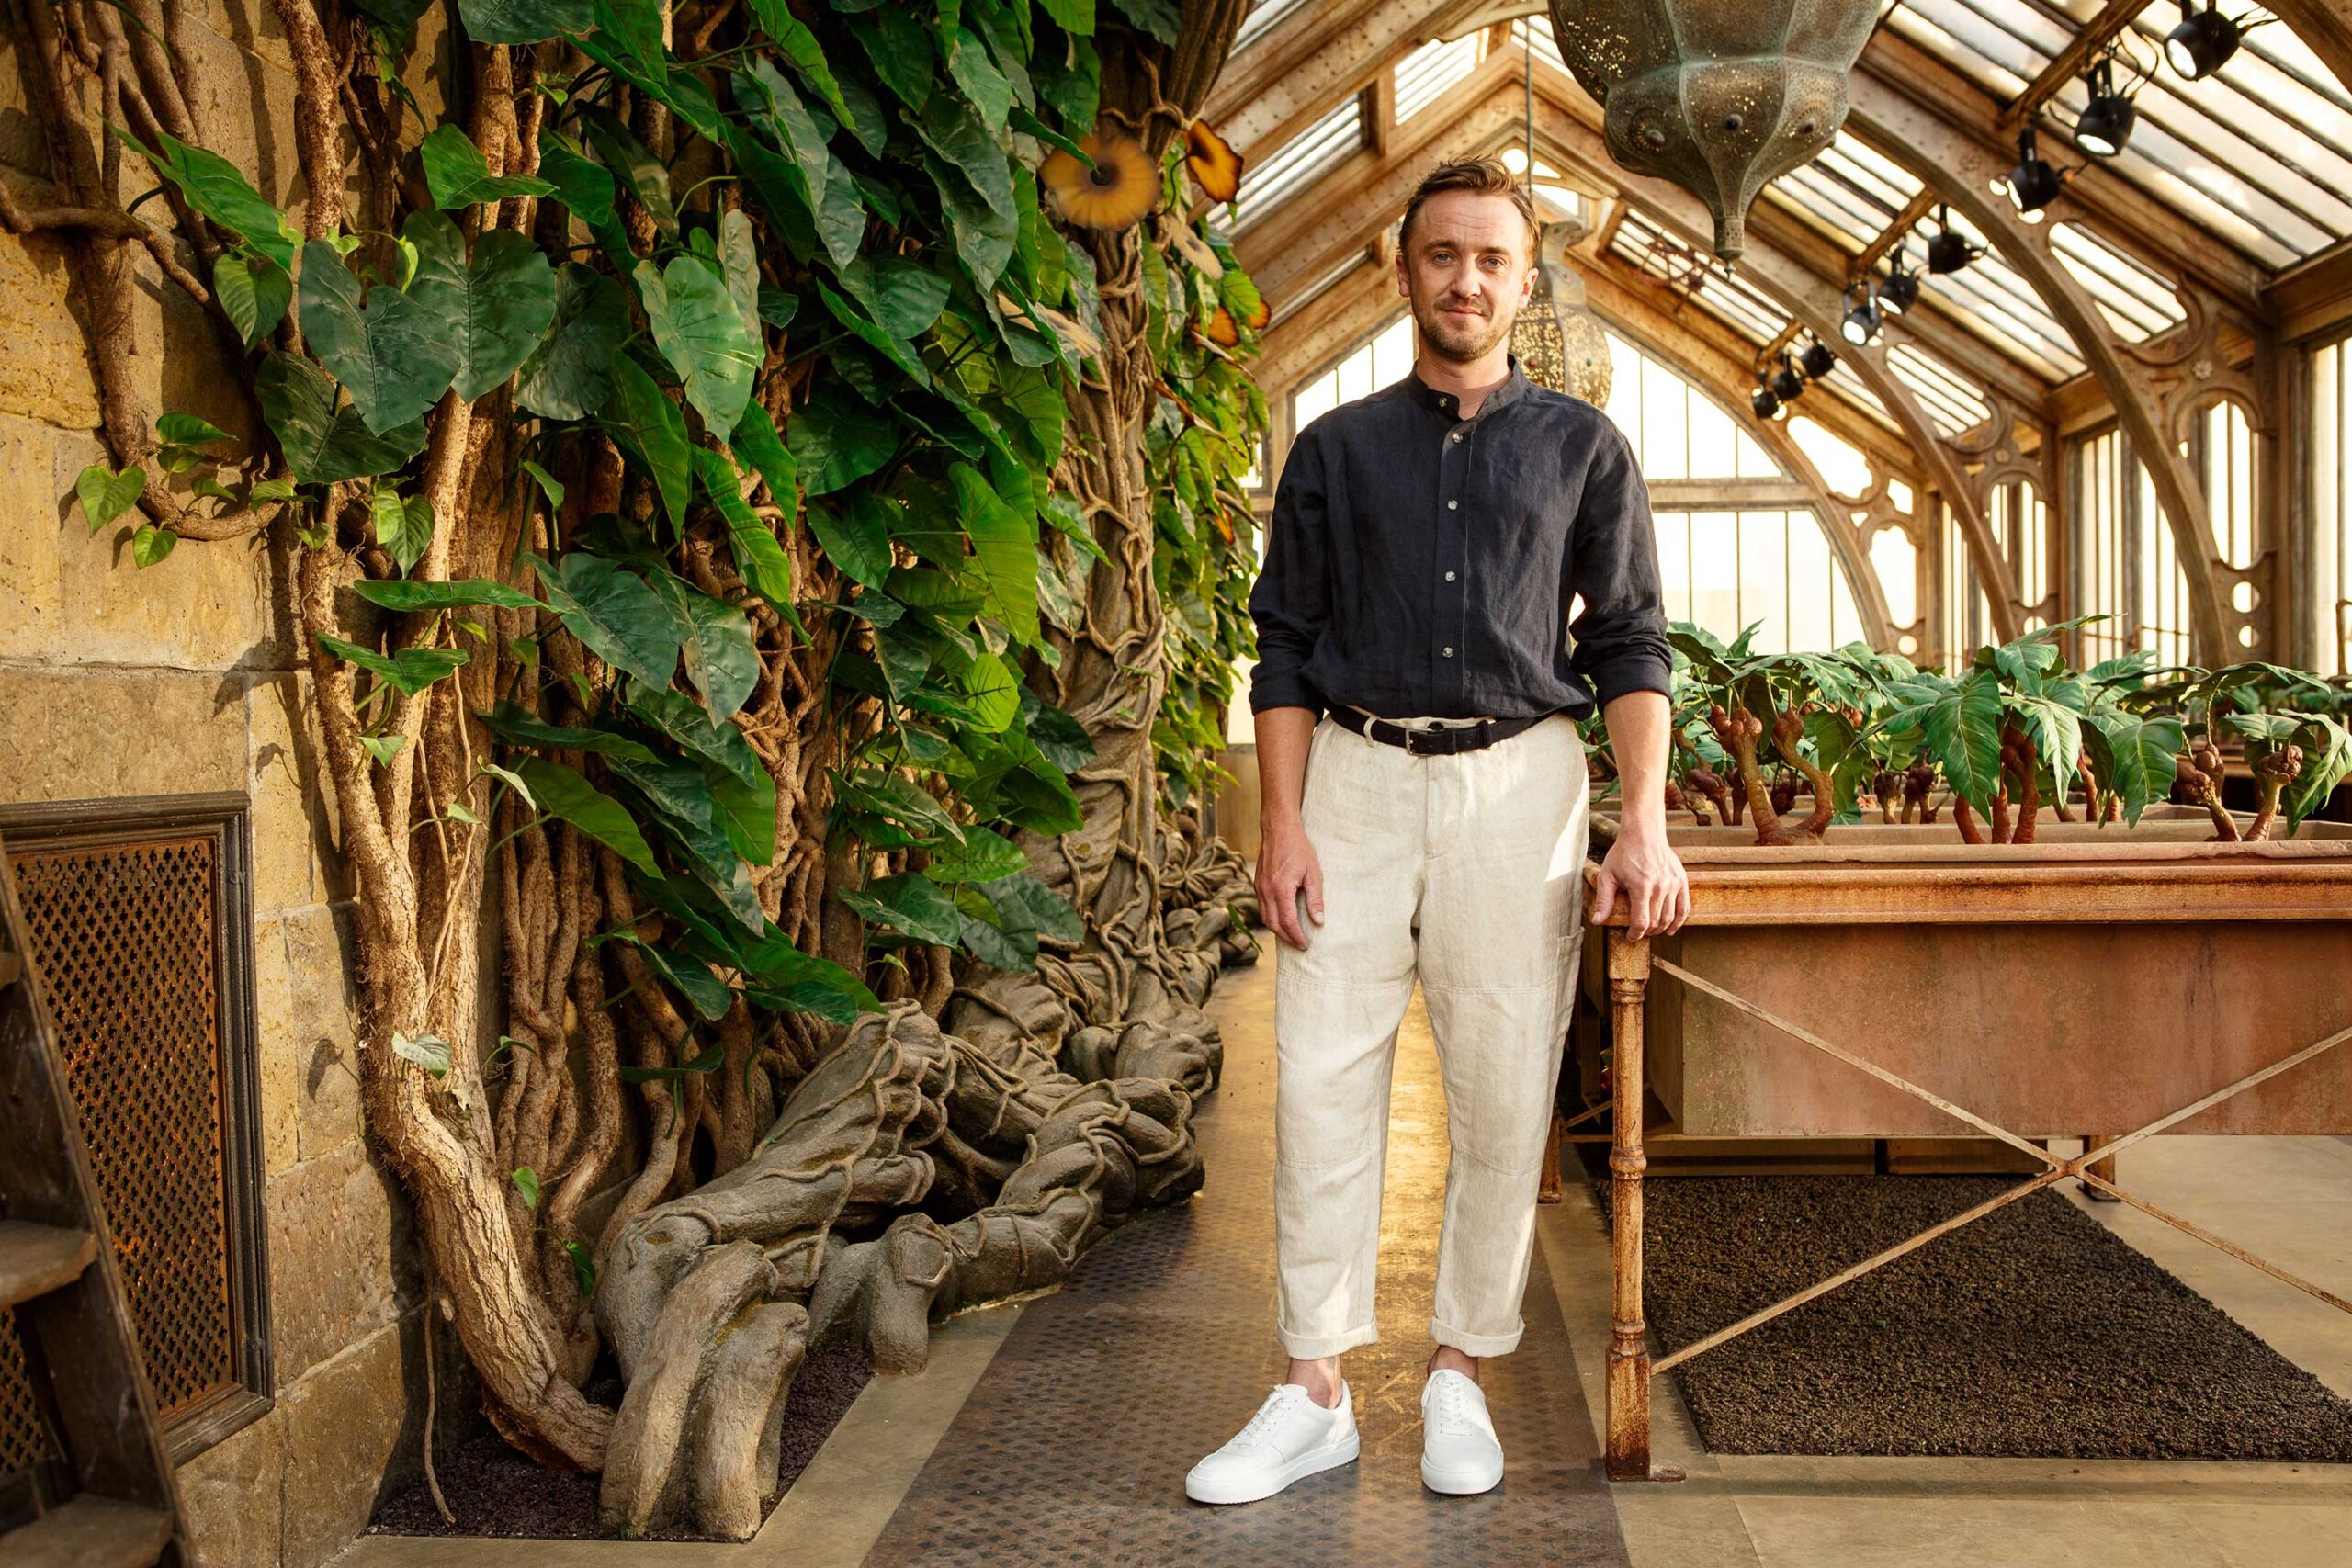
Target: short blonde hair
x,y
1481,176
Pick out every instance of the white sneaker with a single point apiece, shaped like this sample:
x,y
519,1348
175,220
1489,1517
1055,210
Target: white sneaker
x,y
1290,1436
1460,1452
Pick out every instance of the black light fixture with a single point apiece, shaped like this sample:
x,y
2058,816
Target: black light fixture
x,y
2105,125
1764,402
1817,360
1863,319
2033,184
2202,42
1951,251
1787,385
1901,289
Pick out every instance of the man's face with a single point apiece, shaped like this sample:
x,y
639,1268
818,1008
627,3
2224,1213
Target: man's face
x,y
1467,267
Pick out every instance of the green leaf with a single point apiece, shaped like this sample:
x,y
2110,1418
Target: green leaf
x,y
459,176
560,791
1158,18
710,996
759,557
322,442
687,814
523,21
651,430
979,79
722,660
984,236
498,307
902,355
395,356
950,128
693,726
517,727
1963,733
1022,899
105,495
746,812
383,748
612,611
397,593
903,297
428,1051
627,156
214,187
409,672
836,440
2136,757
995,692
806,53
150,544
700,329
403,528
571,375
899,52
188,430
985,857
527,1182
2327,760
254,290
856,536
1006,546
584,1268
908,902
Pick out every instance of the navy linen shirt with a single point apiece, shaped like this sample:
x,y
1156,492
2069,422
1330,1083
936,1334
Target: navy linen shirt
x,y
1421,563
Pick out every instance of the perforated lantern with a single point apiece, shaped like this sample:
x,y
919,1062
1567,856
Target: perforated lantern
x,y
1718,95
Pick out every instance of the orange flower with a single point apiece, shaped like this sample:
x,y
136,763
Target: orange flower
x,y
1116,192
1215,164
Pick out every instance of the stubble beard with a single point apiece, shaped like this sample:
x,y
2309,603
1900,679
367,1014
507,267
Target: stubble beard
x,y
1459,339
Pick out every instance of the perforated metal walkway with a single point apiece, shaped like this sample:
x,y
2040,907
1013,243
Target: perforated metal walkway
x,y
1073,1446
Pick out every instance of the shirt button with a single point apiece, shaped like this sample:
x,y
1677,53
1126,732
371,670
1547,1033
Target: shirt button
x,y
1449,577
1457,436
1447,651
1452,504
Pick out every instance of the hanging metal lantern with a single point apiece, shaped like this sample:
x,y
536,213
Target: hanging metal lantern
x,y
1719,98
1567,349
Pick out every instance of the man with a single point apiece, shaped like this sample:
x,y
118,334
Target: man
x,y
1424,804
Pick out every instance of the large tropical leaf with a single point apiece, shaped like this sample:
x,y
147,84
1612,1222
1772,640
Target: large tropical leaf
x,y
621,619
651,430
722,660
498,305
700,329
2135,756
324,443
562,793
571,375
1962,729
1005,542
393,355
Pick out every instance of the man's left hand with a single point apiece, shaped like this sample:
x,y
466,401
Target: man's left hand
x,y
1642,867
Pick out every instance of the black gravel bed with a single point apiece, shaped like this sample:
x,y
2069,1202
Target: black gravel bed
x,y
2032,1332
495,1491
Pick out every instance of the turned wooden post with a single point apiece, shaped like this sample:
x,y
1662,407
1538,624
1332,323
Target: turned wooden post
x,y
1629,1354
2102,1168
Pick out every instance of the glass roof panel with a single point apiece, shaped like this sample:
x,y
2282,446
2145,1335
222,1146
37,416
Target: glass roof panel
x,y
2260,152
1423,75
1261,15
1299,163
2137,302
1952,404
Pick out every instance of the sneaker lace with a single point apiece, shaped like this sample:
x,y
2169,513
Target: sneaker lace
x,y
1448,1412
1275,1406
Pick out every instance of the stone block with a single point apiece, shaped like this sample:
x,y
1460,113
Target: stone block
x,y
83,734
45,370
33,598
276,1049
322,954
229,1497
351,1438
205,606
296,863
341,1246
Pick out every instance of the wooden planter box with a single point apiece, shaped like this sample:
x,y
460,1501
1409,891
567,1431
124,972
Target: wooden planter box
x,y
2093,983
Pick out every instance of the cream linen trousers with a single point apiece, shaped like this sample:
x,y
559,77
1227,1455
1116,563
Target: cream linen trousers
x,y
1467,870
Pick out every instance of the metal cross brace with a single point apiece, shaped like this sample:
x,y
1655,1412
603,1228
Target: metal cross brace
x,y
2060,1169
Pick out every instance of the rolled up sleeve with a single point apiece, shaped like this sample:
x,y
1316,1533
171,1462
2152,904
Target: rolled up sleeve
x,y
1619,638
1290,600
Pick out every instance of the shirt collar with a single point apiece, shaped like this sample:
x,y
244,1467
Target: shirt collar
x,y
1514,386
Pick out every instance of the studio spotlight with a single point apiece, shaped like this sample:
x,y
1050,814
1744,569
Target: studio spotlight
x,y
1766,405
1787,385
1862,318
1949,252
2202,42
2033,184
2106,122
1901,289
1817,360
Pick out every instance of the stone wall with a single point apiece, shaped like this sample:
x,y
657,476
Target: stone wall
x,y
180,679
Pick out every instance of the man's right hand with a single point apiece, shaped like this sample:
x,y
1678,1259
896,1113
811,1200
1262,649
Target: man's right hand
x,y
1286,863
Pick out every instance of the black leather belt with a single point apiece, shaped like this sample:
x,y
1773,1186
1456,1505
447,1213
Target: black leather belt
x,y
1436,742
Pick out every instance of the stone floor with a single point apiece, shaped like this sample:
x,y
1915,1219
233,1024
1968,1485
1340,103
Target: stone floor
x,y
1058,1430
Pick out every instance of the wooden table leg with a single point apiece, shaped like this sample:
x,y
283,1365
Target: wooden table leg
x,y
1629,1355
2104,1169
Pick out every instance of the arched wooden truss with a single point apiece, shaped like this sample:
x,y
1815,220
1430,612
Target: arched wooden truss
x,y
1929,121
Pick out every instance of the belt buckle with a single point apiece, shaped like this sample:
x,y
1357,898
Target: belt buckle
x,y
1412,736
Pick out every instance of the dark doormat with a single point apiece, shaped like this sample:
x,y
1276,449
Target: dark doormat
x,y
2032,1332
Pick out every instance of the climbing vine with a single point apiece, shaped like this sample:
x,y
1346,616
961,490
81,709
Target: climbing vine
x,y
663,409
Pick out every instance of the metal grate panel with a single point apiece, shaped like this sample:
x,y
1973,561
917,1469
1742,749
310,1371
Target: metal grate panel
x,y
153,1011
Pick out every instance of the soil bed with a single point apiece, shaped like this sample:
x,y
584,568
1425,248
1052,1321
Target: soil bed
x,y
495,1491
2035,1332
